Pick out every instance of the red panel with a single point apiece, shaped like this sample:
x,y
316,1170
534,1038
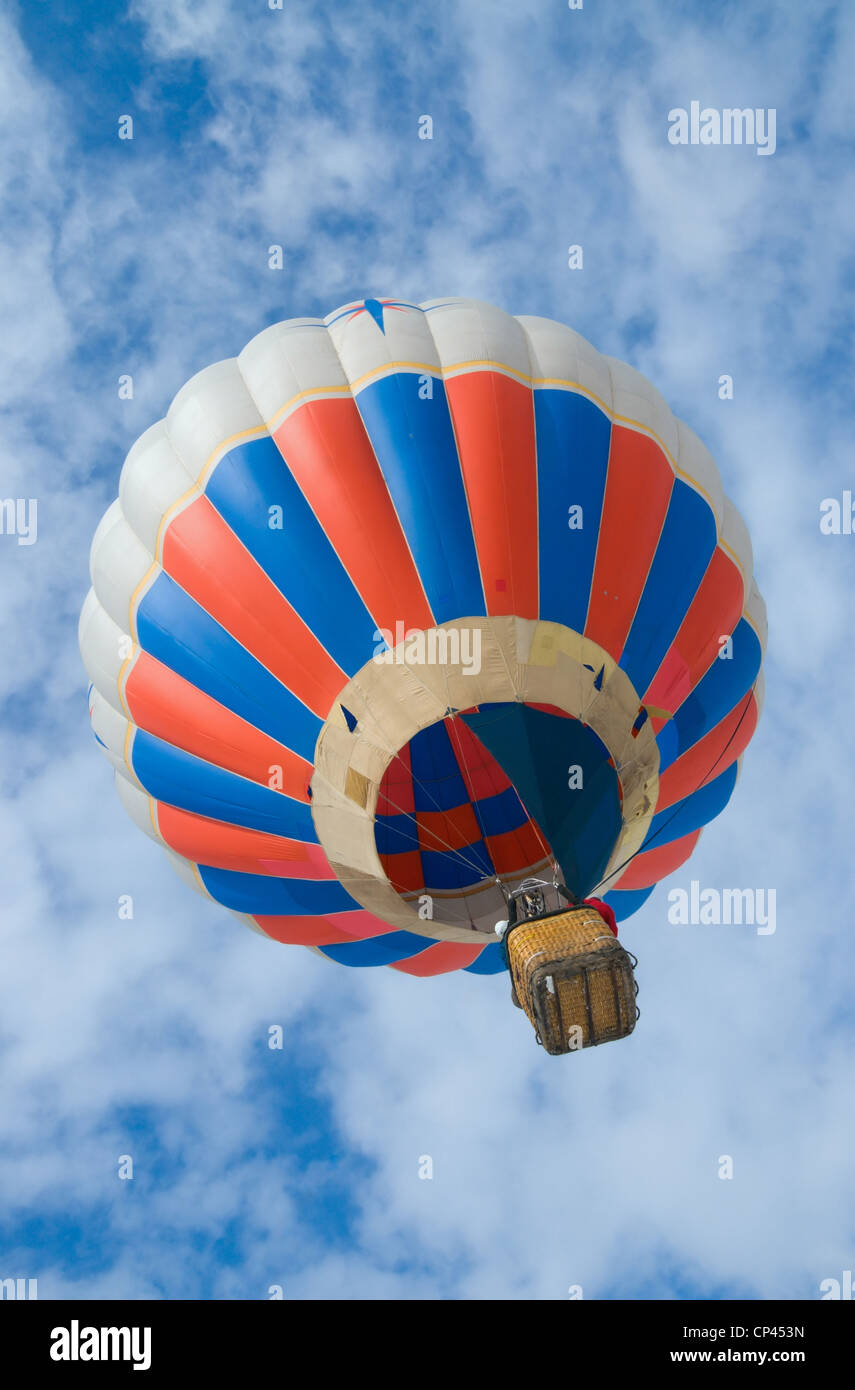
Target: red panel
x,y
648,868
712,755
205,557
493,418
396,795
324,931
549,709
439,959
455,828
638,489
516,849
482,775
404,871
223,846
169,707
325,446
714,612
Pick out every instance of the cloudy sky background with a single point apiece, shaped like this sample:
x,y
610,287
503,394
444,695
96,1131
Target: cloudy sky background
x,y
300,1167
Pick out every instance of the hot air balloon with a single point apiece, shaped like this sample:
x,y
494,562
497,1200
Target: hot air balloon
x,y
404,607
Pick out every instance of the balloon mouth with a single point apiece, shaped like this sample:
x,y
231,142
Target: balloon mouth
x,y
532,677
490,796
450,828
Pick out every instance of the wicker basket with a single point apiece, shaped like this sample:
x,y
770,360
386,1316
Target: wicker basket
x,y
573,979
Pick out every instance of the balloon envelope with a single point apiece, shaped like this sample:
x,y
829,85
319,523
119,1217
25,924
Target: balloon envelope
x,y
411,602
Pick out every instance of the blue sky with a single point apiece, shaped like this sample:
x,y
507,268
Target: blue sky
x,y
299,1167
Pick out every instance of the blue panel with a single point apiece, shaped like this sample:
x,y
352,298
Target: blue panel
x,y
177,631
437,781
692,812
379,950
500,813
456,868
668,740
715,696
415,446
395,834
624,904
685,549
192,784
573,438
262,896
299,559
488,963
536,750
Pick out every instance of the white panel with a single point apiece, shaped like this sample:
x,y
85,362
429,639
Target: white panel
x,y
288,360
556,351
110,726
110,518
214,407
185,872
363,349
469,330
118,564
101,646
137,803
188,875
247,921
637,401
755,610
153,479
735,535
695,460
120,768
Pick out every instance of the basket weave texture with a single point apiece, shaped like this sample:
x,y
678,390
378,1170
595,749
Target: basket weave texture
x,y
573,979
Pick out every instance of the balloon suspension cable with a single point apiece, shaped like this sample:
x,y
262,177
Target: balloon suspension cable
x,y
648,842
462,753
461,757
447,848
545,846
